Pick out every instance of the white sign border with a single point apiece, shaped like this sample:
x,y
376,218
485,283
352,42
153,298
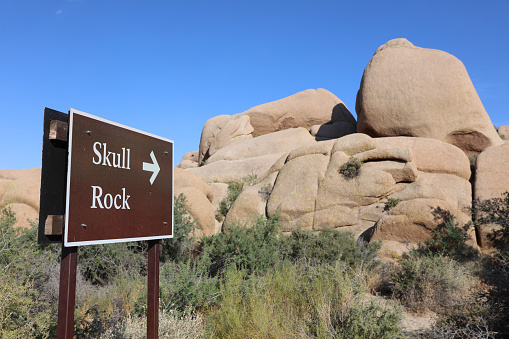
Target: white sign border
x,y
73,111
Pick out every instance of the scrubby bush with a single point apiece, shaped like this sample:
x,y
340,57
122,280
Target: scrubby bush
x,y
250,179
329,246
430,282
469,319
98,307
101,263
351,168
253,249
171,325
494,211
24,311
233,193
187,286
449,240
299,300
487,213
391,202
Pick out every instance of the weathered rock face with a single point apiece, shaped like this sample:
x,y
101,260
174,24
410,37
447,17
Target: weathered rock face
x,y
273,143
221,131
303,109
333,131
234,130
24,214
310,192
226,171
20,190
491,180
432,156
492,172
413,220
251,203
411,91
503,131
251,157
209,132
199,198
189,160
185,179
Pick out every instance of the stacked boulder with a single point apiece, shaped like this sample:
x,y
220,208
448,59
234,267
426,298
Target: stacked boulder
x,y
308,190
199,197
503,131
19,191
491,181
410,91
189,160
248,143
419,118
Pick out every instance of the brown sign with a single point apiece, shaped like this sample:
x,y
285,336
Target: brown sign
x,y
119,183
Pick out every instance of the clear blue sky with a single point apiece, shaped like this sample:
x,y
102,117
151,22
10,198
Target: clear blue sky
x,y
166,67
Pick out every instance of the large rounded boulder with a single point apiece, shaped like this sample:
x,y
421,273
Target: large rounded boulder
x,y
220,131
303,109
19,191
199,198
503,131
491,181
411,91
312,107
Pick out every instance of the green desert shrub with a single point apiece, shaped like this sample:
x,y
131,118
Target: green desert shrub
x,y
351,168
256,248
391,202
98,307
101,263
187,286
234,190
253,249
250,179
25,312
301,301
329,246
494,211
449,240
430,282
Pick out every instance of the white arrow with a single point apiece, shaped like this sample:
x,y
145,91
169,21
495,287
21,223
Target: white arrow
x,y
152,167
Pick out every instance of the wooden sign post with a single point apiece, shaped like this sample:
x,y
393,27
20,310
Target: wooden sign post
x,y
153,289
67,292
119,187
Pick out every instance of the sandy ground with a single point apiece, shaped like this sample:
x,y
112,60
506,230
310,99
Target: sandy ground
x,y
414,324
